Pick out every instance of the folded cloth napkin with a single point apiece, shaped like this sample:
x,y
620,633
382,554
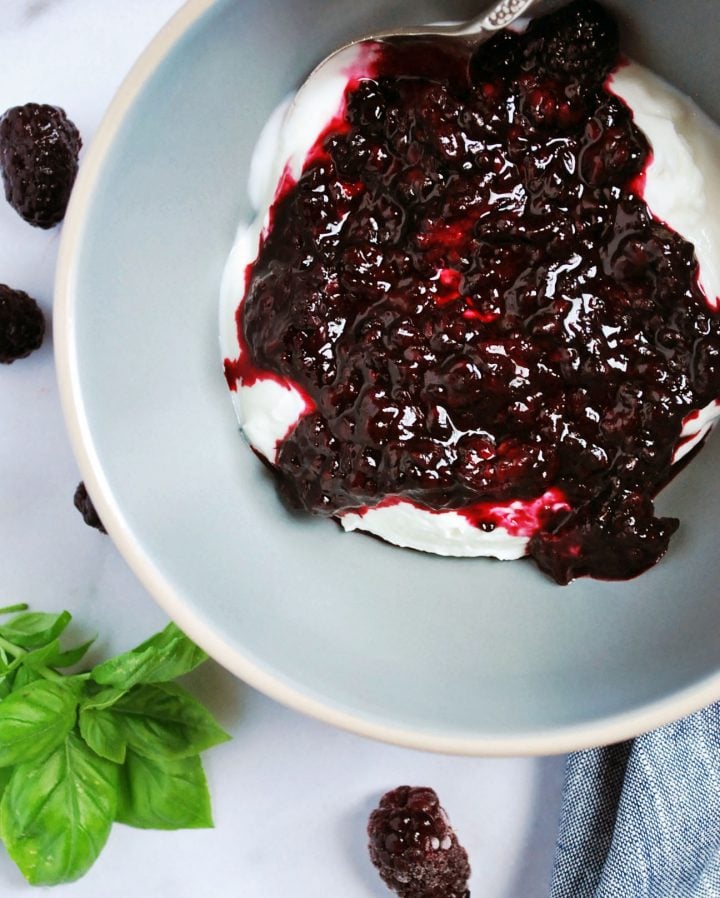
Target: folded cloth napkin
x,y
641,819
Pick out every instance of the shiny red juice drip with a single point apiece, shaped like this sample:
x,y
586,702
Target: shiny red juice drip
x,y
521,518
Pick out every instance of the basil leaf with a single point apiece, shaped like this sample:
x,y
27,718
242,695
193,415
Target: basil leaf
x,y
157,721
51,655
102,731
9,609
23,677
165,656
104,698
55,817
169,636
163,794
6,684
34,628
35,720
5,774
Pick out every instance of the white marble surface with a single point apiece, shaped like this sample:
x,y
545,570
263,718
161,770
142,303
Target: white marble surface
x,y
291,796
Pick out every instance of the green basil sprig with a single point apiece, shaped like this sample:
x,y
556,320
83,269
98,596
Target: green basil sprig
x,y
117,743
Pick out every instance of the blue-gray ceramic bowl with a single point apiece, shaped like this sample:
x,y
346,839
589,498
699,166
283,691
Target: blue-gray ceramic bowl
x,y
467,656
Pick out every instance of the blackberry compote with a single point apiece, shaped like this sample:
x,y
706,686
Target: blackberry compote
x,y
476,304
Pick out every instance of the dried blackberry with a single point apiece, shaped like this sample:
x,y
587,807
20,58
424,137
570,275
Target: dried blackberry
x,y
22,325
414,848
84,505
39,149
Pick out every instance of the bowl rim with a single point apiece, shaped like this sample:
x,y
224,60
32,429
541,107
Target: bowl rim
x,y
544,741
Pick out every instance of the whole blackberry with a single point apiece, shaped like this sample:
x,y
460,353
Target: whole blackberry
x,y
22,325
581,40
85,506
39,149
414,848
497,58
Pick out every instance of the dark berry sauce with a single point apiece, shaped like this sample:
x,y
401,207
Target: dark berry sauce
x,y
468,288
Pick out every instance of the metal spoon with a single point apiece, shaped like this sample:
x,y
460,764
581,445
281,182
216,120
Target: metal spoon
x,y
495,16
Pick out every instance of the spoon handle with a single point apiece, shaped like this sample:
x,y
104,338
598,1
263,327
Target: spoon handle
x,y
503,14
496,16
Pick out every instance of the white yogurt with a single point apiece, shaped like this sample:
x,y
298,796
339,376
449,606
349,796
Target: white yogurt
x,y
682,189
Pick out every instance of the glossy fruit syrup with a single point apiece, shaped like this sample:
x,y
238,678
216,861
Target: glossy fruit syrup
x,y
471,292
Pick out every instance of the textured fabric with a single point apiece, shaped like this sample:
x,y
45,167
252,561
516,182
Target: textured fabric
x,y
642,819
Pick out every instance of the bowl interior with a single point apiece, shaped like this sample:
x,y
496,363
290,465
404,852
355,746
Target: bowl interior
x,y
466,655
